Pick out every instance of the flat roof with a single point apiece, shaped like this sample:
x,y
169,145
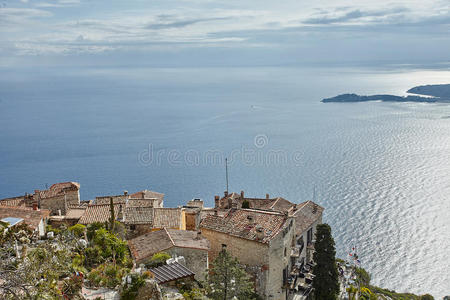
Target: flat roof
x,y
11,221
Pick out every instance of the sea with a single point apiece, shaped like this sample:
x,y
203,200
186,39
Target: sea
x,y
381,170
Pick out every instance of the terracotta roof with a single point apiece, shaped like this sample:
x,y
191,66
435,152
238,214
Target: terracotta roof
x,y
171,272
146,194
281,204
306,214
98,213
116,199
75,213
141,202
139,215
278,204
16,201
30,216
167,217
244,223
146,245
58,189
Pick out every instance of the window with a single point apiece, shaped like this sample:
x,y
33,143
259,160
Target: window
x,y
224,246
132,227
285,251
309,236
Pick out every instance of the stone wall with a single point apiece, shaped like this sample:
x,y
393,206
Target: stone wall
x,y
279,260
54,204
196,260
253,254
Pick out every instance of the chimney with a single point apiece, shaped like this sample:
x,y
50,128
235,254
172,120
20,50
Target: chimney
x,y
59,212
125,193
216,201
267,196
199,235
294,208
225,193
250,219
234,205
120,215
242,194
35,206
215,212
259,232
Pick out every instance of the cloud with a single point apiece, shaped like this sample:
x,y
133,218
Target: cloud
x,y
353,15
58,3
181,23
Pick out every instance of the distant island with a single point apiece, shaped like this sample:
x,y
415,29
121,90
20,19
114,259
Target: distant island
x,y
434,93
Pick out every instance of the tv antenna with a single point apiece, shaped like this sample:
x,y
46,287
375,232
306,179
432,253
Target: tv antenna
x,y
226,171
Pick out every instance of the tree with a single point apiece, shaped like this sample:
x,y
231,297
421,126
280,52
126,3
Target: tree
x,y
326,284
245,204
78,230
228,279
112,218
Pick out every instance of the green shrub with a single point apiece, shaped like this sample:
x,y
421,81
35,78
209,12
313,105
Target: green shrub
x,y
158,259
130,290
78,230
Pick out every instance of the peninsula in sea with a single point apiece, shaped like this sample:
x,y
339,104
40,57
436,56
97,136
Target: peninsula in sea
x,y
430,93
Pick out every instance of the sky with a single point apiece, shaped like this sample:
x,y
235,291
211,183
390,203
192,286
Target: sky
x,y
223,32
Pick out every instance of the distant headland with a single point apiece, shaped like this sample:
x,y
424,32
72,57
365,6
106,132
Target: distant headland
x,y
434,93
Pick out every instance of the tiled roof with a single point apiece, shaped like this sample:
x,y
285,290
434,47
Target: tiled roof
x,y
146,245
281,204
58,189
167,218
116,199
278,204
16,201
244,223
139,215
75,213
306,214
188,239
98,213
171,272
146,194
141,202
30,216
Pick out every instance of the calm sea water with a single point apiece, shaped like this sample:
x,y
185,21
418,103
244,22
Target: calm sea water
x,y
381,170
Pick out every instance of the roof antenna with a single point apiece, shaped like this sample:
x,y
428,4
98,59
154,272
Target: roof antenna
x,y
226,171
314,193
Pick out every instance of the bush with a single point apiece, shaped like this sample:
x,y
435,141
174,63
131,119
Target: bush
x,y
92,228
363,276
245,204
130,290
426,297
106,275
78,230
158,259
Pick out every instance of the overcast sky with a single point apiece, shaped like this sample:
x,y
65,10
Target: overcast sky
x,y
228,32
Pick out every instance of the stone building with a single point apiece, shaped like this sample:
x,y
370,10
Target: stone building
x,y
143,198
35,218
189,244
307,216
260,239
138,220
58,197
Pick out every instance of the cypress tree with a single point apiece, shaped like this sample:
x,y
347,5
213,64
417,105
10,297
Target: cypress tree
x,y
326,282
